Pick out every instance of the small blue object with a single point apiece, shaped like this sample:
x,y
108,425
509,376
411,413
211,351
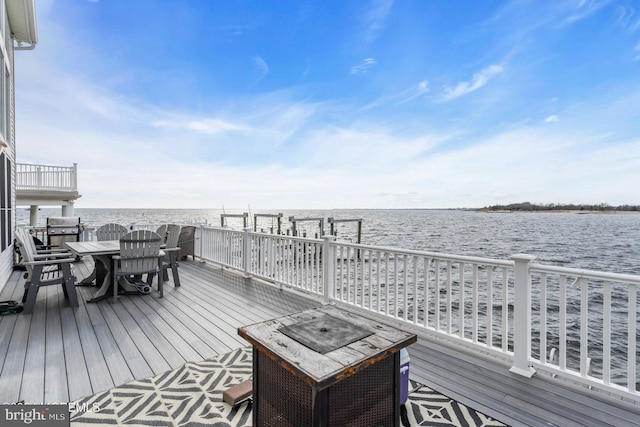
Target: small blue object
x,y
404,375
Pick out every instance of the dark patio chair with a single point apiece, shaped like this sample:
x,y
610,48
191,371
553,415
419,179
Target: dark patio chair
x,y
45,270
170,260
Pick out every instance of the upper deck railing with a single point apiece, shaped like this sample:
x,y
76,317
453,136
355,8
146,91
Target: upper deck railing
x,y
567,323
46,177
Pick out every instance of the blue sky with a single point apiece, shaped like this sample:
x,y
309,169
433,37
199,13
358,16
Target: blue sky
x,y
335,104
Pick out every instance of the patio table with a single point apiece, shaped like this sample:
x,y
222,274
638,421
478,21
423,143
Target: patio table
x,y
101,252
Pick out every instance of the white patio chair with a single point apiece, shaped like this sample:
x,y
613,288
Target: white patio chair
x,y
110,231
139,254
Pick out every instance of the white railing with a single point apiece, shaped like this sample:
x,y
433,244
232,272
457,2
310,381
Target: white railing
x,y
465,298
292,261
222,246
570,323
43,177
586,324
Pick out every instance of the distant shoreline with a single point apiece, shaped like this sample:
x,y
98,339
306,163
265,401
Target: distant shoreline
x,y
564,211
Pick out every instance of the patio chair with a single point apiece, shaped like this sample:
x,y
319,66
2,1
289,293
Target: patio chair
x,y
139,254
28,239
110,231
170,260
45,270
162,231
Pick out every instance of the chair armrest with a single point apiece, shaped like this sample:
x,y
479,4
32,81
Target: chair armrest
x,y
51,262
52,256
52,252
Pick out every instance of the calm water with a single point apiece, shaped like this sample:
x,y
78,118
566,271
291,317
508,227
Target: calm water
x,y
609,242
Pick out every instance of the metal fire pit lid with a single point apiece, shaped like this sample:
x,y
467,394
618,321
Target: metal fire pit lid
x,y
325,333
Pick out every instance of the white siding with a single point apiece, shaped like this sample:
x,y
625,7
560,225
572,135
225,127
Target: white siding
x,y
8,127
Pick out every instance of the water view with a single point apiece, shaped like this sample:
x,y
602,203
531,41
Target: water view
x,y
608,242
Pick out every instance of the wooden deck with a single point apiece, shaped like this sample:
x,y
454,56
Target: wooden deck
x,y
59,354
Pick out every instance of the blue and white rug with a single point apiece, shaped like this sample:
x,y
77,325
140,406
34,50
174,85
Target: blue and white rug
x,y
192,396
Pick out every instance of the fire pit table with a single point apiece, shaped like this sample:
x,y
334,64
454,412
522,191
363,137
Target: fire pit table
x,y
326,367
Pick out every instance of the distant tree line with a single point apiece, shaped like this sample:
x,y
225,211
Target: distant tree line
x,y
527,206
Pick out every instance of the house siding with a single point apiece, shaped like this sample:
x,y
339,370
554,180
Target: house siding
x,y
7,232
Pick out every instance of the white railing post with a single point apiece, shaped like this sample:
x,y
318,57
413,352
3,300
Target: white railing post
x,y
74,177
38,177
522,315
246,252
328,267
198,235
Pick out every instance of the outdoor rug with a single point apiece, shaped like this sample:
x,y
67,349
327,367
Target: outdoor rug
x,y
192,396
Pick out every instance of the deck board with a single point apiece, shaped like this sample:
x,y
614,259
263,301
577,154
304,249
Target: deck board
x,y
55,368
95,362
60,353
497,392
79,383
34,354
175,348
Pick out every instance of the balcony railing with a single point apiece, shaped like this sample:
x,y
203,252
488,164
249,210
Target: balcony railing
x,y
44,177
570,323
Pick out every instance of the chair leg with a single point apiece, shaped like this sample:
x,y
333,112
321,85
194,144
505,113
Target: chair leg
x,y
32,293
115,281
173,263
160,281
176,278
31,289
69,286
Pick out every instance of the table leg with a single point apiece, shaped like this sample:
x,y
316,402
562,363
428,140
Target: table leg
x,y
90,278
103,277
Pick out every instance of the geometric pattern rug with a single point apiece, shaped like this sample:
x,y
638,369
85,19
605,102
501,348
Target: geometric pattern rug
x,y
192,396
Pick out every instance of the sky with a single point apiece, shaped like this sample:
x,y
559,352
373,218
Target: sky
x,y
335,104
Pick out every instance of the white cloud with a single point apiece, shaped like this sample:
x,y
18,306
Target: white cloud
x,y
261,66
375,17
407,95
627,18
206,126
551,119
584,9
362,68
418,90
477,81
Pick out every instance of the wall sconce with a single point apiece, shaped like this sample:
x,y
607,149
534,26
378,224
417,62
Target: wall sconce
x,y
3,145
